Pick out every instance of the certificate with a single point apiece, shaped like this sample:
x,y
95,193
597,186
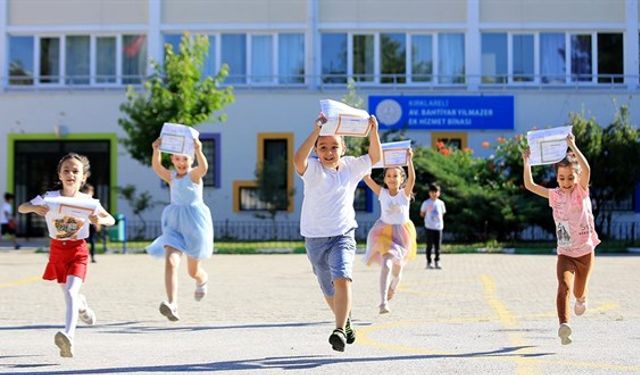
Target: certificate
x,y
548,146
394,154
177,139
343,119
68,218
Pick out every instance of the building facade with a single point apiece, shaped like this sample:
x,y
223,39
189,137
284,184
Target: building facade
x,y
463,71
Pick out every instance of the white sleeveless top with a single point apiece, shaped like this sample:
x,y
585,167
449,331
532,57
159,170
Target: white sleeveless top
x,y
394,210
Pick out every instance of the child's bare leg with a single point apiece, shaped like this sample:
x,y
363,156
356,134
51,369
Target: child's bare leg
x,y
342,301
172,261
196,271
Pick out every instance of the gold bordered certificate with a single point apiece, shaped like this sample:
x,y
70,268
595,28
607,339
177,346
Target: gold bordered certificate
x,y
394,154
177,139
68,218
343,119
547,146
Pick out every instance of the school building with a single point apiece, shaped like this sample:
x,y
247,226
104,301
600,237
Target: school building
x,y
462,71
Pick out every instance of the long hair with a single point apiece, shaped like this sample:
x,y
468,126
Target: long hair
x,y
403,174
86,168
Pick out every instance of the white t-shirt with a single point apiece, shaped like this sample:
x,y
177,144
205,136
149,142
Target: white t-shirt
x,y
327,207
6,208
394,210
68,221
434,214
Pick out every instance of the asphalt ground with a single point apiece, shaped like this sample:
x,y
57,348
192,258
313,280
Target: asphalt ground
x,y
264,314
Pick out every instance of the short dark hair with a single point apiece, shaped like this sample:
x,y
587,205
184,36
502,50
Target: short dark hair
x,y
434,187
8,196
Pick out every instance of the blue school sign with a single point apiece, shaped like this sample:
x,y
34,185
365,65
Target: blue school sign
x,y
443,112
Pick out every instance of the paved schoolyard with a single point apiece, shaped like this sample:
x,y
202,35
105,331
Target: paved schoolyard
x,y
264,314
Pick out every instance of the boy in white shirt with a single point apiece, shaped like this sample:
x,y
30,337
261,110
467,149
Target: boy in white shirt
x,y
7,220
328,219
433,210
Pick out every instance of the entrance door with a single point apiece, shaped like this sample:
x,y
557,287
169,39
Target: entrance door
x,y
35,171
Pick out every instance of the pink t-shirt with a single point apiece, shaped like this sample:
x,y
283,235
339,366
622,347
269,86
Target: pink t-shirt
x,y
575,228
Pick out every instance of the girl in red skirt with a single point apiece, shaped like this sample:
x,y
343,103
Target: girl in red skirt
x,y
68,252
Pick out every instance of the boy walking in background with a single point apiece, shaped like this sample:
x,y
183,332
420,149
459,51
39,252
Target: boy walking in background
x,y
433,210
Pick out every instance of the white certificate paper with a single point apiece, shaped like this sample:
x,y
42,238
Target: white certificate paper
x,y
177,139
68,218
548,146
343,119
394,154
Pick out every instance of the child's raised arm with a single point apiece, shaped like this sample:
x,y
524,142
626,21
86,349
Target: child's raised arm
x,y
372,184
375,149
156,162
201,170
411,175
585,169
528,179
303,152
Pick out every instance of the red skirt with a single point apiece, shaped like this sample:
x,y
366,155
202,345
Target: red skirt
x,y
68,257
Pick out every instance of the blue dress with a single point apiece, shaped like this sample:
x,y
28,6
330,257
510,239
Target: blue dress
x,y
186,222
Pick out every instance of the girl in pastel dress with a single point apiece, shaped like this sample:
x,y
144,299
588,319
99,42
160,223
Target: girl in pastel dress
x,y
68,253
186,225
392,239
577,238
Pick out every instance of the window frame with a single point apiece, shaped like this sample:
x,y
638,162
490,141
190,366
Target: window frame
x,y
462,136
217,162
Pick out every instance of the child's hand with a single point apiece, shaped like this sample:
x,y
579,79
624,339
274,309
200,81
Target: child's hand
x,y
40,210
94,219
156,143
320,120
571,140
197,144
410,153
373,123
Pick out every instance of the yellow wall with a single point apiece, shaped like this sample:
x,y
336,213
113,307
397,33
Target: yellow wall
x,y
549,11
76,12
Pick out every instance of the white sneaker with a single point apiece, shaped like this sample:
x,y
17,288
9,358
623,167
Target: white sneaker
x,y
384,308
580,307
564,332
170,311
65,343
86,314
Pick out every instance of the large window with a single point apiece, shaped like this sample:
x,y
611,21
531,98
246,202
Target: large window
x,y
393,56
106,56
134,58
523,58
78,60
49,60
211,150
363,58
610,58
234,54
262,59
421,58
334,58
451,58
291,58
494,58
552,57
581,58
21,60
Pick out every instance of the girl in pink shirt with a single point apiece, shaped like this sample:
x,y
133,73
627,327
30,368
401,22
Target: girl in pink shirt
x,y
575,230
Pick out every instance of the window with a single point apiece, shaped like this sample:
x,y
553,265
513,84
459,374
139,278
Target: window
x,y
21,60
209,67
393,52
77,60
172,40
581,58
451,58
363,58
421,58
262,58
234,54
456,140
523,58
552,57
49,60
211,149
494,58
106,59
291,58
134,58
334,58
610,58
273,186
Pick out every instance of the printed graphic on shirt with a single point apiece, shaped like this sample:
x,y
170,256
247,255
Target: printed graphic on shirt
x,y
562,231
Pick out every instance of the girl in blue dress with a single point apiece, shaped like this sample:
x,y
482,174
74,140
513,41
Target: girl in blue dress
x,y
186,225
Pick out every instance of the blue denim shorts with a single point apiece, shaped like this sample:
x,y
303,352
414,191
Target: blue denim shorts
x,y
331,259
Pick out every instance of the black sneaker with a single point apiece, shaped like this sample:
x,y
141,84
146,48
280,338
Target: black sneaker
x,y
349,332
338,340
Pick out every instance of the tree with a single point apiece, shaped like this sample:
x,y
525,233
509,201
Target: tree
x,y
175,92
